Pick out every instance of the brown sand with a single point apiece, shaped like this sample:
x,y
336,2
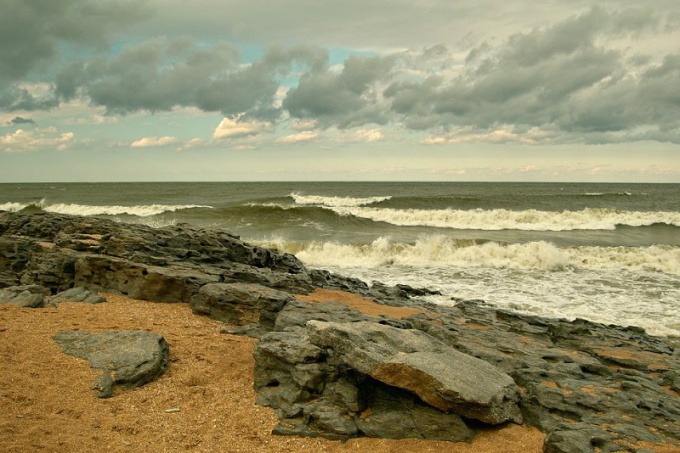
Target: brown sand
x,y
204,402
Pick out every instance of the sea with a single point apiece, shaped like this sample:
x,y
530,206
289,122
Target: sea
x,y
608,253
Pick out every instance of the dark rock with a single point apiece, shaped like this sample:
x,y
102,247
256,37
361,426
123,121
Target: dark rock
x,y
127,359
28,296
240,303
77,294
397,414
140,281
617,384
414,361
315,395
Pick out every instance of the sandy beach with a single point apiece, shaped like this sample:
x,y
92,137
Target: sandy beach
x,y
204,402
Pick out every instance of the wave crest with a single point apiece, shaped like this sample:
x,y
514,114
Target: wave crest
x,y
319,200
502,219
438,250
91,210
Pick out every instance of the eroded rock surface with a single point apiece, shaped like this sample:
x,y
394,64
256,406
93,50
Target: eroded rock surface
x,y
127,359
588,386
414,361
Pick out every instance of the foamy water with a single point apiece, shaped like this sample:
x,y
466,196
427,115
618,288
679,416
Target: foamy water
x,y
502,219
335,201
90,210
604,252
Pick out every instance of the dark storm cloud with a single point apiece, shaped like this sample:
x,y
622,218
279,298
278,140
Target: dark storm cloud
x,y
20,120
346,99
568,77
159,76
33,33
557,77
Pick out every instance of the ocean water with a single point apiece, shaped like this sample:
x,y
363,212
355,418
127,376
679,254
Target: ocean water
x,y
605,252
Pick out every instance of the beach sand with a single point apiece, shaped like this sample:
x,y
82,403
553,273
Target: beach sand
x,y
204,402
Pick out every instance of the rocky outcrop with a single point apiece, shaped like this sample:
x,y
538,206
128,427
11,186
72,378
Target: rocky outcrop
x,y
414,361
340,380
330,369
127,359
28,296
36,296
240,303
77,294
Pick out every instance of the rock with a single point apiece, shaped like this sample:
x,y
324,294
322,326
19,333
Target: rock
x,y
27,296
127,359
165,264
397,415
77,294
240,303
315,395
140,281
412,360
618,384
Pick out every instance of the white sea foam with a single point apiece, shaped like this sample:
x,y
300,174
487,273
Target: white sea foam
x,y
437,250
138,210
502,219
12,207
318,200
600,194
619,285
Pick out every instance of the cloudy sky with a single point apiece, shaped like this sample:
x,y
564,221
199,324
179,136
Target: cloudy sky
x,y
230,90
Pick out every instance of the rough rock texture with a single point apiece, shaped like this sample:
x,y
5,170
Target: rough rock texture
x,y
240,303
413,360
315,395
166,264
127,359
588,386
77,294
29,296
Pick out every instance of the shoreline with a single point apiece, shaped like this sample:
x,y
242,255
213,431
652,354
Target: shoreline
x,y
47,401
583,384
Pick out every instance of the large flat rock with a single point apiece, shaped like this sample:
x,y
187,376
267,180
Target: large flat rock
x,y
413,360
129,358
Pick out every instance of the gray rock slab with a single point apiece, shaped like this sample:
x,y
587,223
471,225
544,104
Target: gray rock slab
x,y
240,303
27,296
77,294
412,360
128,359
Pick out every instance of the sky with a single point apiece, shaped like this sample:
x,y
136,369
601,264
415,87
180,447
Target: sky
x,y
420,90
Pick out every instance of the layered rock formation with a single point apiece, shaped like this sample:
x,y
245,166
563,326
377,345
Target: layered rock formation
x,y
337,369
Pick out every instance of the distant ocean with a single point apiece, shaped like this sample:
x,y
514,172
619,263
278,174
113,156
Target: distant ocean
x,y
605,252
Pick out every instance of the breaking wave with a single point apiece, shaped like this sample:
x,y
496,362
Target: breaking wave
x,y
318,200
91,210
438,250
502,219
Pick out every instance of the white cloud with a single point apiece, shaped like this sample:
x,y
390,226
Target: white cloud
x,y
153,141
533,136
304,125
232,128
23,140
434,141
303,136
363,135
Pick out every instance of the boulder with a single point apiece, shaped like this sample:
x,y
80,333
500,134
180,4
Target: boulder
x,y
316,396
240,303
127,359
77,294
156,283
28,296
412,360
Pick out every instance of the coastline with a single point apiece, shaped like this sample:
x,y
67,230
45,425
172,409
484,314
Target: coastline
x,y
581,383
47,402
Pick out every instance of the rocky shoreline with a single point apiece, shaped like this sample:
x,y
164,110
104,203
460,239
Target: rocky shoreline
x,y
339,370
